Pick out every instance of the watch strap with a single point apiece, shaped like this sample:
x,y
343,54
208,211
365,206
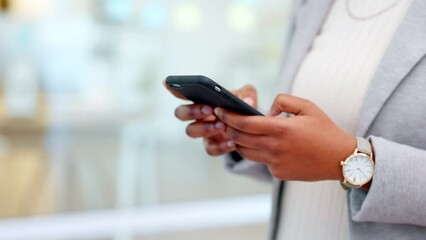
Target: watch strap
x,y
347,186
363,145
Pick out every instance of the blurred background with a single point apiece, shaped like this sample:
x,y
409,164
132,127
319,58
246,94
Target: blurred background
x,y
89,146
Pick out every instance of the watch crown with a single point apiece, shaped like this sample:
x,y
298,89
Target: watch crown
x,y
342,163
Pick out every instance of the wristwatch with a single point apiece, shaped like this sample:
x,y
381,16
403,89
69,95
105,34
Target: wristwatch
x,y
358,168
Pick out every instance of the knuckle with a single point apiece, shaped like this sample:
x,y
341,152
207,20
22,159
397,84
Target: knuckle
x,y
232,134
282,129
193,112
275,146
272,161
280,97
206,128
276,162
242,124
306,103
223,116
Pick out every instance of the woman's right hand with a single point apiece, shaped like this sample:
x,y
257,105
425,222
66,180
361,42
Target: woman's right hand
x,y
207,126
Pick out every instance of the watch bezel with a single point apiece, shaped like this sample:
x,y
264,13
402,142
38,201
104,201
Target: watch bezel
x,y
347,179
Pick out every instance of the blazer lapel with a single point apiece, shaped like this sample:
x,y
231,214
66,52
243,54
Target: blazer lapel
x,y
405,50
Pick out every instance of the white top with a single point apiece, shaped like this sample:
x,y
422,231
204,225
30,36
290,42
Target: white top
x,y
335,75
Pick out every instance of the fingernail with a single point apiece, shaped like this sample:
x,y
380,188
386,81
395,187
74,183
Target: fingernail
x,y
217,111
219,125
206,110
195,111
185,110
249,101
230,144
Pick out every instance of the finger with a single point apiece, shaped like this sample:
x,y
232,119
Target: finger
x,y
248,94
253,154
250,124
204,129
218,138
193,112
215,148
210,118
174,92
291,104
248,140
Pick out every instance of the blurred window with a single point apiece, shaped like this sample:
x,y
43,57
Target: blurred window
x,y
87,131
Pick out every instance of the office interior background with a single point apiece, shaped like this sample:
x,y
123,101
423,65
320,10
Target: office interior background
x,y
89,146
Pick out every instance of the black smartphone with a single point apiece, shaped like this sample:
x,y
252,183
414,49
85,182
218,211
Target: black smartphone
x,y
201,89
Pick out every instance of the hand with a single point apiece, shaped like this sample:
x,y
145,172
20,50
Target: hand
x,y
306,147
206,125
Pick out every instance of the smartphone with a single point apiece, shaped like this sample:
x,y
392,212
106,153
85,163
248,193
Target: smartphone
x,y
203,90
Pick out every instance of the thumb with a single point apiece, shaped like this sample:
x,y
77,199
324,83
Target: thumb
x,y
290,104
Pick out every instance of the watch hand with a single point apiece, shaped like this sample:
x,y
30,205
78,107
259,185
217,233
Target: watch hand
x,y
362,172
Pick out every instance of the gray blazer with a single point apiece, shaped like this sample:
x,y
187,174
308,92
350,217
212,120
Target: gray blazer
x,y
393,118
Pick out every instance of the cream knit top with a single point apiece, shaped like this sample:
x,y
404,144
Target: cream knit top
x,y
335,75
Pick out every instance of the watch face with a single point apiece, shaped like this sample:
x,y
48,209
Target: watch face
x,y
358,169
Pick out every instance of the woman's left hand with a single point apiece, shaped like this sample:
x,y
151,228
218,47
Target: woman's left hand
x,y
306,147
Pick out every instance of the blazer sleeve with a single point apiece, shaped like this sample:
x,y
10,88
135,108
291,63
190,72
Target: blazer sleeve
x,y
248,168
397,193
